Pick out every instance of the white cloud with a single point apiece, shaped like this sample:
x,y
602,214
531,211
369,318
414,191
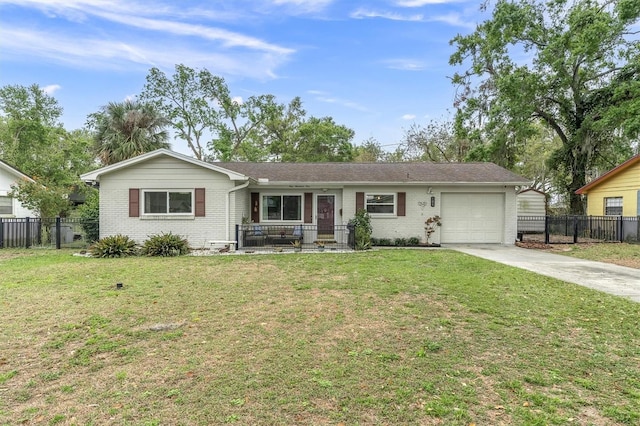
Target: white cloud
x,y
420,3
327,98
393,16
117,55
405,64
304,6
51,89
453,19
237,100
409,117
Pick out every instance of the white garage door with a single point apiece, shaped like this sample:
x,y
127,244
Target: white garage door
x,y
472,218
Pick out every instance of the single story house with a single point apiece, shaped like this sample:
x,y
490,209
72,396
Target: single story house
x,y
616,192
164,191
9,206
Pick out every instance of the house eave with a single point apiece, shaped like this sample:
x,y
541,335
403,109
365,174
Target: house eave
x,y
297,184
608,175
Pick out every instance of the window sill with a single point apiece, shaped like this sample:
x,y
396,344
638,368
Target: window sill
x,y
167,217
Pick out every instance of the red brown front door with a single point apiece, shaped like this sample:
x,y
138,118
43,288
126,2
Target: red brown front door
x,y
325,216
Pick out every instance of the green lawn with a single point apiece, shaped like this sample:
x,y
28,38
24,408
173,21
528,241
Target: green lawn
x,y
378,337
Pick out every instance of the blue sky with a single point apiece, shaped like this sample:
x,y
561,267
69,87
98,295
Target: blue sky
x,y
375,66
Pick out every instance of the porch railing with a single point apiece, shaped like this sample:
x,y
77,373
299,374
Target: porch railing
x,y
256,236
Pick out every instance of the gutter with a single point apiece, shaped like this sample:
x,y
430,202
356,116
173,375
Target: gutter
x,y
228,206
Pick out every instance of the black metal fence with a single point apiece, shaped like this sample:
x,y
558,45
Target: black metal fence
x,y
47,232
578,229
291,237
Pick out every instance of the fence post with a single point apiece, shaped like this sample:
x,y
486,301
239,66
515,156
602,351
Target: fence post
x,y
620,223
546,229
237,236
575,229
27,232
58,233
1,234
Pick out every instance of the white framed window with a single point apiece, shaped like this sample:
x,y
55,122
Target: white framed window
x,y
6,204
281,207
613,206
167,202
380,203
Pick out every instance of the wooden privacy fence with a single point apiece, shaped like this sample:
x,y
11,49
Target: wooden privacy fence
x,y
579,229
47,232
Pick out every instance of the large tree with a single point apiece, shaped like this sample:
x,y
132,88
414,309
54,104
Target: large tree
x,y
33,140
572,65
126,129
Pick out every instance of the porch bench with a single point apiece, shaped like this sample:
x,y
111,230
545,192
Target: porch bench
x,y
273,235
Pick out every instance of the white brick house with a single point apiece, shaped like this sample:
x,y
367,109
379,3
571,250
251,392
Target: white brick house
x,y
163,191
9,206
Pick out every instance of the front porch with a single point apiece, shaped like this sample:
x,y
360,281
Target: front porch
x,y
257,236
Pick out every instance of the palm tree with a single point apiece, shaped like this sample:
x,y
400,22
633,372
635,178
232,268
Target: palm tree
x,y
127,129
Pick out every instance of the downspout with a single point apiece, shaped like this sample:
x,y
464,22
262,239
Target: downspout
x,y
228,206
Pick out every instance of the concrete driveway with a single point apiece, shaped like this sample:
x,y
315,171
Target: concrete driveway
x,y
613,279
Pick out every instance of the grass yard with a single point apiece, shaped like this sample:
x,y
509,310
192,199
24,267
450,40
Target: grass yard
x,y
618,253
380,337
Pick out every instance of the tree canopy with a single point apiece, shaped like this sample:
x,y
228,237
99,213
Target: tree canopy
x,y
217,125
33,140
570,65
126,129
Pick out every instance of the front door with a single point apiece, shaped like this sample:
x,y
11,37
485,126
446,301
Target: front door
x,y
325,216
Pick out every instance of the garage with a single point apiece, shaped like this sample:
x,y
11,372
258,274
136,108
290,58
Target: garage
x,y
472,218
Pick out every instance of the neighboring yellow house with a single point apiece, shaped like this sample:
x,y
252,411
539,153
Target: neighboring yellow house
x,y
615,193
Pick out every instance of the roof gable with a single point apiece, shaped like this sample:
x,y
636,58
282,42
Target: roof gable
x,y
13,171
610,174
95,175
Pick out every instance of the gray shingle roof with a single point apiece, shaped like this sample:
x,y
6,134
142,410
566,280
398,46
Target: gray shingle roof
x,y
377,172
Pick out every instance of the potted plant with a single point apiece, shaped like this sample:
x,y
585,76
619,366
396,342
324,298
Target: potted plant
x,y
297,245
320,245
430,226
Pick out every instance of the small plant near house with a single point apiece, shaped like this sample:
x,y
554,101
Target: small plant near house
x,y
320,245
90,215
430,226
400,242
363,229
297,245
413,241
114,246
165,245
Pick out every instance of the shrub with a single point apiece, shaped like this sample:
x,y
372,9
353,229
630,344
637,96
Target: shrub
x,y
90,214
413,241
165,245
401,242
363,230
384,242
114,246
